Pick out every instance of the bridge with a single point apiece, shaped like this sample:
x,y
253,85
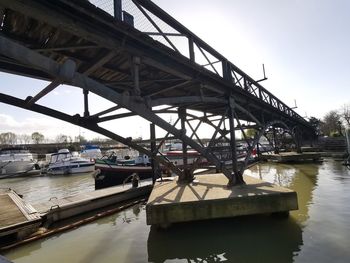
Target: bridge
x,y
168,70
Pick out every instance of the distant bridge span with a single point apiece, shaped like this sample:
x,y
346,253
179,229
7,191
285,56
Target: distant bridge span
x,y
77,43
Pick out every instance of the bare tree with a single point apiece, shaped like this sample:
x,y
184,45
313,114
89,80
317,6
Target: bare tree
x,y
345,114
62,138
8,138
23,138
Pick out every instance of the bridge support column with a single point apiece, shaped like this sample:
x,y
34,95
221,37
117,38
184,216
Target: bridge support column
x,y
276,150
136,72
154,163
187,175
118,9
86,103
236,175
298,136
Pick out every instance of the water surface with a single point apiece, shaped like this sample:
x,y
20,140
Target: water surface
x,y
318,232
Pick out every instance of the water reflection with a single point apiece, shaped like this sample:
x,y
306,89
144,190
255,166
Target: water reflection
x,y
41,188
244,239
301,178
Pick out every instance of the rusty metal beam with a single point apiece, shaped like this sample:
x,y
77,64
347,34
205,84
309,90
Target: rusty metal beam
x,y
25,55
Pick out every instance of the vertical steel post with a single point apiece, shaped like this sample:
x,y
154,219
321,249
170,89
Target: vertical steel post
x,y
226,70
136,65
153,149
118,9
232,139
86,103
298,140
276,151
191,48
236,176
185,176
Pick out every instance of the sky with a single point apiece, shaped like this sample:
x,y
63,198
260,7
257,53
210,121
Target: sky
x,y
304,45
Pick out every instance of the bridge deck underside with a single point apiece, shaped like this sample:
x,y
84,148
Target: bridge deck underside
x,y
105,50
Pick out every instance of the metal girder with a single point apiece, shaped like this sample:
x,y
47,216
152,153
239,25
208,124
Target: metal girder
x,y
114,35
168,88
54,84
64,48
87,123
29,57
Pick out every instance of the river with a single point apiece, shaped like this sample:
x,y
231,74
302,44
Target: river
x,y
318,232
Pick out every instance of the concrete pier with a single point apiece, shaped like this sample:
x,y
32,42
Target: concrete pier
x,y
292,156
209,197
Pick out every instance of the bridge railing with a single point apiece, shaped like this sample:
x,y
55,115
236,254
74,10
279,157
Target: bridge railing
x,y
147,17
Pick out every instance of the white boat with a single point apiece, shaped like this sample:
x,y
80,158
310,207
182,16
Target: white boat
x,y
63,162
16,161
91,151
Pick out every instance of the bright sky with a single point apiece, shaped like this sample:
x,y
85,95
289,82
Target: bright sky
x,y
304,45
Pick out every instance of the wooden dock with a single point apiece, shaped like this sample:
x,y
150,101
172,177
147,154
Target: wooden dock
x,y
292,156
210,198
18,219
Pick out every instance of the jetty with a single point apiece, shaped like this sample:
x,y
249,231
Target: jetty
x,y
20,220
209,197
292,156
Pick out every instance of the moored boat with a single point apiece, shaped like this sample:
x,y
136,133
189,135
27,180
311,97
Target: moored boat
x,y
91,151
114,171
16,161
63,162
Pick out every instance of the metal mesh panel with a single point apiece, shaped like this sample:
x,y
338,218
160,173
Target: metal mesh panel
x,y
142,23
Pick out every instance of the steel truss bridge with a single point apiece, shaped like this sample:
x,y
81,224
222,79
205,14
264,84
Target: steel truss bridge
x,y
163,69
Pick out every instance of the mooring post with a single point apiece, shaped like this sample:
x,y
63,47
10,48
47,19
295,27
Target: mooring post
x,y
154,163
236,176
118,9
86,103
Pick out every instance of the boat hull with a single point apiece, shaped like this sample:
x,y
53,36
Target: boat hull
x,y
15,168
113,174
71,169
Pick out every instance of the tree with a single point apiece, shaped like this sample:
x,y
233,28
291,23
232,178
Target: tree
x,y
8,138
37,137
23,138
345,114
316,124
331,124
250,133
61,138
